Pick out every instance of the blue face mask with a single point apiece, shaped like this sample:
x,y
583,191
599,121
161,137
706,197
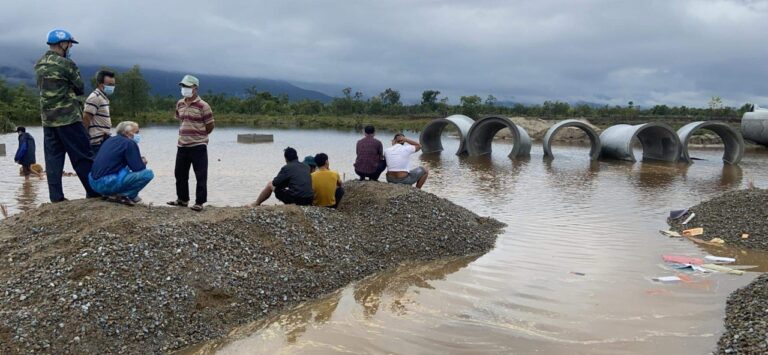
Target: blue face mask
x,y
137,138
109,90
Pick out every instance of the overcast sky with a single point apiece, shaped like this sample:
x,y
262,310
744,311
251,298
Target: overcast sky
x,y
673,52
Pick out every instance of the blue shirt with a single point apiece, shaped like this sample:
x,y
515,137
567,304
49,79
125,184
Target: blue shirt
x,y
116,153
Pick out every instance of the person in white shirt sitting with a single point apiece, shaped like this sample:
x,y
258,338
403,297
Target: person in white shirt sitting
x,y
398,158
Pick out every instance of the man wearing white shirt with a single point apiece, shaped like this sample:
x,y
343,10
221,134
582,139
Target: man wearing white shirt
x,y
398,158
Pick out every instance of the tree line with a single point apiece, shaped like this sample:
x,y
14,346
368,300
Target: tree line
x,y
19,104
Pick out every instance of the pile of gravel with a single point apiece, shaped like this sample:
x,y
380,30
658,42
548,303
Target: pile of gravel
x,y
88,276
746,320
730,215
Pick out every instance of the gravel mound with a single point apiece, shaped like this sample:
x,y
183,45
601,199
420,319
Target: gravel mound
x,y
88,276
746,320
730,215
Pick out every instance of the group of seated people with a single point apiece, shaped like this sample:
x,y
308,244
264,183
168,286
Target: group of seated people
x,y
119,170
311,182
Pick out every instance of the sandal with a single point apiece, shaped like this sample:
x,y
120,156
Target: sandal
x,y
197,208
126,201
178,203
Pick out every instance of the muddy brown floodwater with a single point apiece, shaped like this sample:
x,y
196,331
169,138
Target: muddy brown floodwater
x,y
571,273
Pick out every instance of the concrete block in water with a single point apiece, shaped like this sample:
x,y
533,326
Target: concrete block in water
x,y
255,138
2,149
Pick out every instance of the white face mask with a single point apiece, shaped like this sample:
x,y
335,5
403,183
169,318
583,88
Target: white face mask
x,y
186,92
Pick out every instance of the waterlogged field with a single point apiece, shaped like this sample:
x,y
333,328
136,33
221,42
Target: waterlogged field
x,y
571,273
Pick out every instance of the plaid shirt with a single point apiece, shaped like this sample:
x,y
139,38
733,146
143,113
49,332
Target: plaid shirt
x,y
369,153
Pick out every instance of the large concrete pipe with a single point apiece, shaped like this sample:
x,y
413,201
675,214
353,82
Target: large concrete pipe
x,y
754,126
659,142
481,134
594,138
430,135
734,143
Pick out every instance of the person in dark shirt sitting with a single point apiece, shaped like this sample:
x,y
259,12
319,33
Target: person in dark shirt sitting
x,y
292,185
119,171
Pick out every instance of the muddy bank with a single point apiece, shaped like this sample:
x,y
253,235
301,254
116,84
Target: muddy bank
x,y
728,216
92,277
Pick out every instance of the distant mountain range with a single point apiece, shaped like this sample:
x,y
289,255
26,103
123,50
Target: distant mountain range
x,y
167,83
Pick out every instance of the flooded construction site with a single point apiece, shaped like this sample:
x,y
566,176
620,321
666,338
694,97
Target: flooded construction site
x,y
573,271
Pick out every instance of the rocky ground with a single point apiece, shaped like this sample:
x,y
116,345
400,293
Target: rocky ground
x,y
728,216
93,277
732,214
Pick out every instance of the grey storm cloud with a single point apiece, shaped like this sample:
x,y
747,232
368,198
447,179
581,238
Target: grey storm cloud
x,y
650,52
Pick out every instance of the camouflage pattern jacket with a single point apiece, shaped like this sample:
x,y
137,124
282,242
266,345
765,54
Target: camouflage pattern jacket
x,y
60,84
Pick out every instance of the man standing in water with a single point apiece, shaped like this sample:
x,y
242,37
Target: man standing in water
x,y
96,116
196,120
25,154
59,81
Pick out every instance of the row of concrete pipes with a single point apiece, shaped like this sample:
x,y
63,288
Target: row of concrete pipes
x,y
659,141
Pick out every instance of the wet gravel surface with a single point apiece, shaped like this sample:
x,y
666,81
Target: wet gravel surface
x,y
94,277
728,216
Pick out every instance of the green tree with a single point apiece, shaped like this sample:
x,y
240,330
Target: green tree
x,y
470,105
715,106
131,97
390,97
429,99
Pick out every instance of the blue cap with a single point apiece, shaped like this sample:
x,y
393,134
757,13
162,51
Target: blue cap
x,y
310,160
58,36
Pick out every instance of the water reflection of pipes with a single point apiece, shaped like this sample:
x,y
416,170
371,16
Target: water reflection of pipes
x,y
576,175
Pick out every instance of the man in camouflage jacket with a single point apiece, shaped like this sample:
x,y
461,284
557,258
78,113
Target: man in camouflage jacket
x,y
60,84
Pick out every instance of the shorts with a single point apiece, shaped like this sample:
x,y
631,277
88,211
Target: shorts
x,y
288,198
413,176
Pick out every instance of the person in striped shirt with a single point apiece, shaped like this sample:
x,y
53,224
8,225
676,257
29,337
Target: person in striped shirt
x,y
196,120
96,112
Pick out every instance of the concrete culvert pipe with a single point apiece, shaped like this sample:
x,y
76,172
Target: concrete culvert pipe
x,y
734,143
430,137
594,138
480,137
659,142
754,126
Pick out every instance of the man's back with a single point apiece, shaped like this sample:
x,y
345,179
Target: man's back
x,y
369,151
296,178
59,82
399,156
324,183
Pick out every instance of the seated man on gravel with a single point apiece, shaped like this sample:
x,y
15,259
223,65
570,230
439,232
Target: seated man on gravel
x,y
398,158
370,159
119,171
326,183
292,185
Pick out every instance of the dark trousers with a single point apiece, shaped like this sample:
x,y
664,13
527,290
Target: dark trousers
x,y
289,197
338,195
72,140
197,157
374,175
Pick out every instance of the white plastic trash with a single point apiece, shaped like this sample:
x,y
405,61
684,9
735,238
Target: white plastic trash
x,y
666,279
720,259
